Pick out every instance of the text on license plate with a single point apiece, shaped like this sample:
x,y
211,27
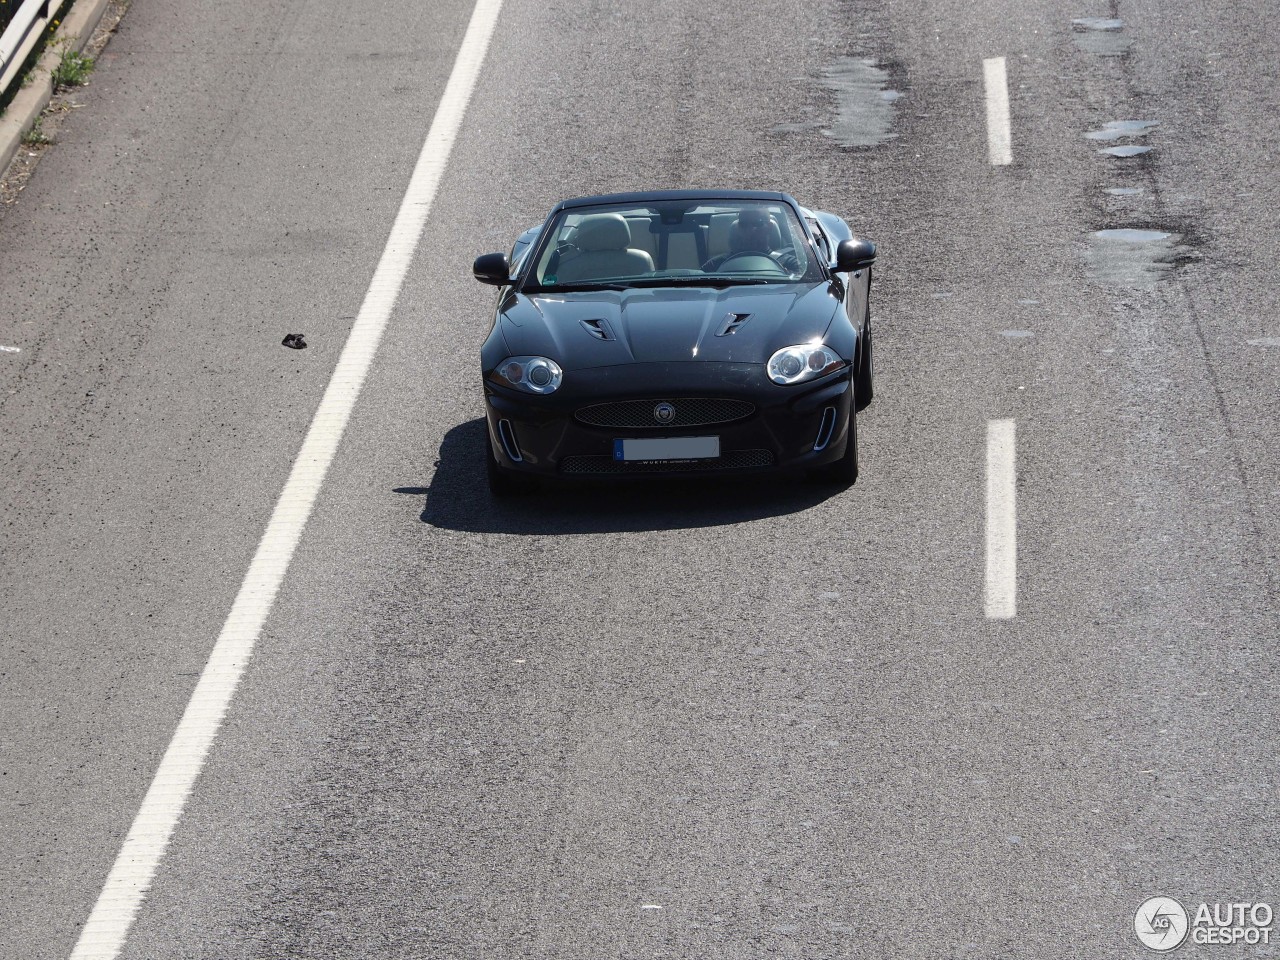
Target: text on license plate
x,y
666,448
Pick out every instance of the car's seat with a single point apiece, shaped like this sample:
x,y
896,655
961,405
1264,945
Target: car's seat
x,y
642,237
718,228
604,250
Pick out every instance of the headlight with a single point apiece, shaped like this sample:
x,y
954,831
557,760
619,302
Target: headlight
x,y
802,362
534,374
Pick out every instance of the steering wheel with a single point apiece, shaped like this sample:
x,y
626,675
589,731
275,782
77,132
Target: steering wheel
x,y
754,253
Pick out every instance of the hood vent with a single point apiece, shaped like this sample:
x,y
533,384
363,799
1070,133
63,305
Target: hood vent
x,y
599,329
731,323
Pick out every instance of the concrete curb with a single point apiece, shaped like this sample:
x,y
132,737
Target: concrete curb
x,y
76,29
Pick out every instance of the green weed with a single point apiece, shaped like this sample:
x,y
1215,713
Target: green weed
x,y
72,70
36,136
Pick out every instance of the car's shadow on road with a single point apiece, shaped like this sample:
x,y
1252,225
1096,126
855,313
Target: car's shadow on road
x,y
459,499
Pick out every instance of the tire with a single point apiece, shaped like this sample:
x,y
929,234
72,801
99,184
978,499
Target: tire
x,y
863,388
502,482
845,470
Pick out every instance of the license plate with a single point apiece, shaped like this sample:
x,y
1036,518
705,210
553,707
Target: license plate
x,y
667,448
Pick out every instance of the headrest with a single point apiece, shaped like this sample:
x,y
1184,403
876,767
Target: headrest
x,y
603,231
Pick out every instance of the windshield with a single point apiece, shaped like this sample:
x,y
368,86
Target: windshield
x,y
674,243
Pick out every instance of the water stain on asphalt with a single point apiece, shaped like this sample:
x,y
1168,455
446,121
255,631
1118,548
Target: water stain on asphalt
x,y
864,102
1101,37
1105,24
1125,151
1120,129
1132,257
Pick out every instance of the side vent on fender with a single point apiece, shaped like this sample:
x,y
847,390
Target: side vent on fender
x,y
731,323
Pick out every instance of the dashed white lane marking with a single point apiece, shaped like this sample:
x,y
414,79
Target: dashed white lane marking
x,y
4,349
1002,520
999,137
108,925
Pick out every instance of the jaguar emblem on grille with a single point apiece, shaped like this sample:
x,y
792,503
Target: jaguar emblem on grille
x,y
664,412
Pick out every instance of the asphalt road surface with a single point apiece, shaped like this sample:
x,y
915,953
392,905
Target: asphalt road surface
x,y
716,721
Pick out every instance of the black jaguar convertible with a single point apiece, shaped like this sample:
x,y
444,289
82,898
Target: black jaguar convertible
x,y
677,332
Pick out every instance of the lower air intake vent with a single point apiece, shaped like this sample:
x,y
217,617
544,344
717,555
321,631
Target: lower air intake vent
x,y
508,438
825,428
733,460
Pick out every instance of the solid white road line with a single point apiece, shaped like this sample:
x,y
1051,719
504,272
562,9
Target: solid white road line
x,y
1002,520
999,138
135,867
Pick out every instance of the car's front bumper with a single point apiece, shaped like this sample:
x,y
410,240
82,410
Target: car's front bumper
x,y
790,429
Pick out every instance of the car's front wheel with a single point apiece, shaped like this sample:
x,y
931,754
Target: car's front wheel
x,y
845,470
863,387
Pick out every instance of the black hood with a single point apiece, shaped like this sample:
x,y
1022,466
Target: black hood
x,y
743,324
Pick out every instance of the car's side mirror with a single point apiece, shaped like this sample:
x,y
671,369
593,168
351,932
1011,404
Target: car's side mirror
x,y
854,255
492,268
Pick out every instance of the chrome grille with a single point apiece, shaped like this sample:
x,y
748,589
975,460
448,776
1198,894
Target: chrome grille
x,y
733,460
690,412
